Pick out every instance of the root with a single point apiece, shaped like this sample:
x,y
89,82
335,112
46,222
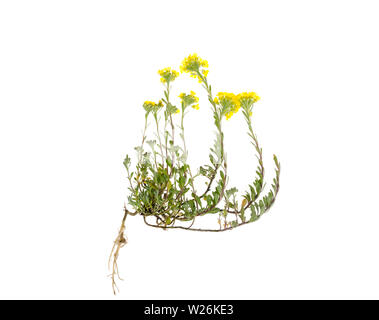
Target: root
x,y
120,242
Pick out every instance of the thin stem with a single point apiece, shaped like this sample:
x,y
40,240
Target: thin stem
x,y
186,152
172,142
261,169
218,121
143,139
159,137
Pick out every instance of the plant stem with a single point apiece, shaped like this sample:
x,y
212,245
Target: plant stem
x,y
159,137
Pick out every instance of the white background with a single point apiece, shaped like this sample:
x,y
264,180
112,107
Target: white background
x,y
73,76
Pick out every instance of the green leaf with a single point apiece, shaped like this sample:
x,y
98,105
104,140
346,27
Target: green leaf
x,y
197,199
127,162
253,216
230,192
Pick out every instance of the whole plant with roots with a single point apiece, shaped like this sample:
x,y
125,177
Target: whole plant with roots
x,y
162,184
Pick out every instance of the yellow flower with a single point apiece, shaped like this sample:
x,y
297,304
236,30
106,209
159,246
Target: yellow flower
x,y
246,100
189,100
194,65
248,97
151,106
205,72
168,74
177,111
228,115
204,63
229,102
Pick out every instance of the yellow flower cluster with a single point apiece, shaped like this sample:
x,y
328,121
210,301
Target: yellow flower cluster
x,y
151,106
192,65
168,75
248,97
190,100
229,102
